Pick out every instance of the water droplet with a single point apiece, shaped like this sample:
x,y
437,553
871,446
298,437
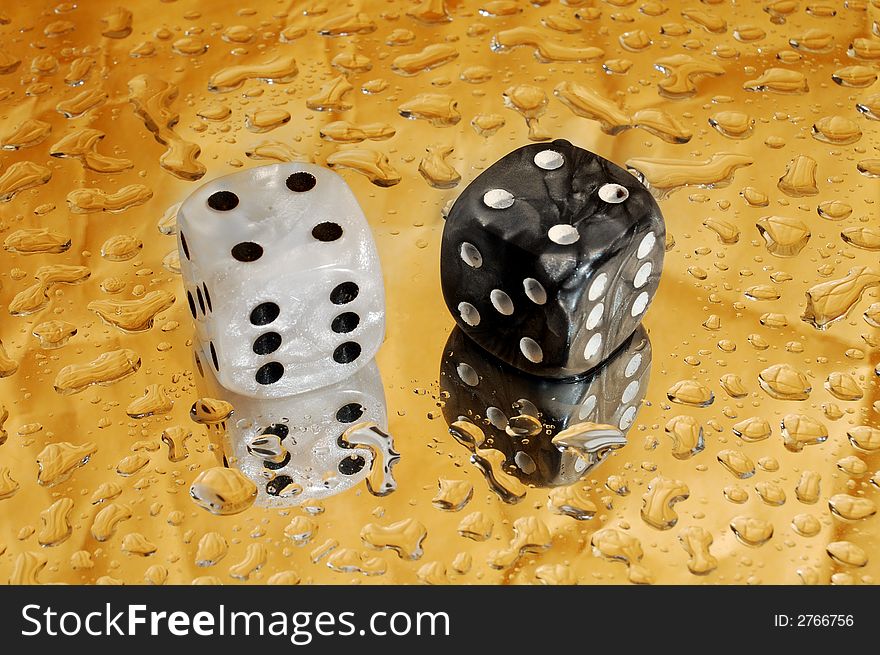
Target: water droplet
x,y
807,489
830,301
658,502
438,109
785,382
771,493
530,102
687,436
681,73
436,170
728,233
855,76
531,535
370,163
779,80
843,386
799,430
278,70
690,392
732,124
476,526
254,558
108,519
615,545
754,197
347,24
800,177
29,132
152,98
301,529
544,49
838,130
430,57
865,238
223,491
737,463
452,495
54,334
105,369
847,553
663,176
265,120
403,537
806,525
851,508
20,176
784,237
89,200
696,542
572,501
55,521
751,531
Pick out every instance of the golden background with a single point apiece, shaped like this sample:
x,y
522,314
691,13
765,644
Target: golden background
x,y
732,125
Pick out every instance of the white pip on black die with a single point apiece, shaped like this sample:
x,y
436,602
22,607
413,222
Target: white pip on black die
x,y
310,445
550,258
282,279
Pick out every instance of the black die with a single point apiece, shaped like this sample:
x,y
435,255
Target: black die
x,y
550,258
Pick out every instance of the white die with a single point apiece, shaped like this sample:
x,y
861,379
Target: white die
x,y
282,278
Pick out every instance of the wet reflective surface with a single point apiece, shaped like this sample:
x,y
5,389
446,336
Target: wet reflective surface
x,y
752,456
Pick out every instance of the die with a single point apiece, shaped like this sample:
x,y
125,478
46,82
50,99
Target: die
x,y
311,445
282,279
550,257
529,419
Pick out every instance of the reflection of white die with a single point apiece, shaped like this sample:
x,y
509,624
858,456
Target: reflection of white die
x,y
282,278
310,445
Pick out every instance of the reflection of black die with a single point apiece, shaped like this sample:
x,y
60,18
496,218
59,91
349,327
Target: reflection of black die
x,y
550,257
501,400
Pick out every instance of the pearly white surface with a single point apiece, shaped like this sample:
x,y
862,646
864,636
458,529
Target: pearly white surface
x,y
296,271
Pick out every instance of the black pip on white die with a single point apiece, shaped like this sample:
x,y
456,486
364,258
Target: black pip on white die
x,y
550,258
282,278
